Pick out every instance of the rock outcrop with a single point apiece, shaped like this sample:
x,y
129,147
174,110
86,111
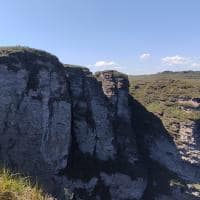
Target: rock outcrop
x,y
82,135
104,155
35,112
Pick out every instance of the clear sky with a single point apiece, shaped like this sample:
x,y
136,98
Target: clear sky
x,y
133,36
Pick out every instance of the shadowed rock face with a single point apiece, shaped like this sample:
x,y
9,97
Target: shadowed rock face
x,y
169,175
104,159
83,135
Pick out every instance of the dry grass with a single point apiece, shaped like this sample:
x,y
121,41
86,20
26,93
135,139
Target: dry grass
x,y
15,187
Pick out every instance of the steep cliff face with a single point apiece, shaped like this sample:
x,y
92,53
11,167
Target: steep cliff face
x,y
104,160
35,112
82,135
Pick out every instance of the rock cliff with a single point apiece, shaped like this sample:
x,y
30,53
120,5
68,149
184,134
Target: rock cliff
x,y
83,136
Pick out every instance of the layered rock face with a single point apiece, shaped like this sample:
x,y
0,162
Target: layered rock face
x,y
82,135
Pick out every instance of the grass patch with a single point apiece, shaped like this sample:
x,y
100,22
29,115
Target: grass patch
x,y
16,187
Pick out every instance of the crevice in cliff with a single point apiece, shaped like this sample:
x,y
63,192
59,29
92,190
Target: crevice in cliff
x,y
32,80
5,122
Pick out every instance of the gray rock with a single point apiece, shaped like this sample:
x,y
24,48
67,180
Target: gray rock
x,y
84,137
122,187
35,113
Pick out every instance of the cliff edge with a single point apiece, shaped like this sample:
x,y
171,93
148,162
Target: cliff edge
x,y
82,135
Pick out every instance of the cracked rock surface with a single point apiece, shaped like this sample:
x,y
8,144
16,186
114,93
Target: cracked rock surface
x,y
82,135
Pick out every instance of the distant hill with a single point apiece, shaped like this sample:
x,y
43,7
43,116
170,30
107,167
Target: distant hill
x,y
179,72
188,74
170,74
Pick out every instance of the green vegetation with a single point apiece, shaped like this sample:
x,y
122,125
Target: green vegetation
x,y
161,94
16,187
4,51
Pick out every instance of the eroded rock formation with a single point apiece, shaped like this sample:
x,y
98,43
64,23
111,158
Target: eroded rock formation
x,y
82,135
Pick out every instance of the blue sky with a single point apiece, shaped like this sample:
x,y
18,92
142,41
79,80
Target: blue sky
x,y
133,36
